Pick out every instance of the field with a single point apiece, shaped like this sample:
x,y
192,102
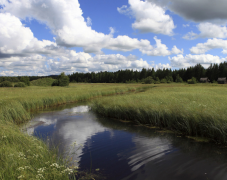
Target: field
x,y
25,157
192,110
195,110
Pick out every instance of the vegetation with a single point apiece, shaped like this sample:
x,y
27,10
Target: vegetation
x,y
25,157
62,80
192,80
6,84
25,80
42,82
20,84
122,76
194,110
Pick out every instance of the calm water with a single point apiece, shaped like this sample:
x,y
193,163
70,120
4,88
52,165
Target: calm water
x,y
124,151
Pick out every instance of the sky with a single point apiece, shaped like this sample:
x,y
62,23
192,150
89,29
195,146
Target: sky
x,y
47,37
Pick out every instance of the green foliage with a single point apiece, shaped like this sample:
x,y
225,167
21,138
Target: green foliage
x,y
42,82
192,81
25,80
148,80
6,84
179,79
185,110
19,84
62,80
157,80
163,80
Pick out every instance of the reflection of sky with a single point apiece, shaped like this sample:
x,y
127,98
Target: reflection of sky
x,y
121,154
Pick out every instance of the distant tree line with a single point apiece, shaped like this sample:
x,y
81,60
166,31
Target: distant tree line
x,y
130,76
165,75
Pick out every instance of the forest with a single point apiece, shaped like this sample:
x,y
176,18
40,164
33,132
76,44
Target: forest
x,y
132,76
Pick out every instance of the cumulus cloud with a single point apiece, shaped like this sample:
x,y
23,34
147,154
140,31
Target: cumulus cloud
x,y
197,11
160,49
149,17
191,60
214,43
208,30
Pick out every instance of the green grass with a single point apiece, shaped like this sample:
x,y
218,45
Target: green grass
x,y
194,110
25,157
42,82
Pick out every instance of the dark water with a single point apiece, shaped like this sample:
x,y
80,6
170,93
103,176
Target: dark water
x,y
125,151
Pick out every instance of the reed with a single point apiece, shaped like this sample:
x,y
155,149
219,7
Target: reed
x,y
25,157
194,110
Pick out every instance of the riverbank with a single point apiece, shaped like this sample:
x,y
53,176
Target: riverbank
x,y
25,157
192,110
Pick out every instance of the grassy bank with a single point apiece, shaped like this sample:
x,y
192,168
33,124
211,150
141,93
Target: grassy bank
x,y
195,110
25,157
16,103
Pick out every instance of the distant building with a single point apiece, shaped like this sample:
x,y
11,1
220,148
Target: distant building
x,y
204,80
221,80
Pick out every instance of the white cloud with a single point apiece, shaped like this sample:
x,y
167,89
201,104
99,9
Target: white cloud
x,y
160,49
190,36
190,60
214,43
65,20
208,30
89,21
149,17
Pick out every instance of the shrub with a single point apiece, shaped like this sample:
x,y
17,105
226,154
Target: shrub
x,y
157,80
6,84
42,82
163,80
62,80
192,80
20,84
148,80
178,79
25,80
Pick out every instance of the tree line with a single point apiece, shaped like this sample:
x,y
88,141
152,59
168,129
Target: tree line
x,y
132,76
166,75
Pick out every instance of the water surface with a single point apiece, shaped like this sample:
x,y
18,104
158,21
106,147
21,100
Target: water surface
x,y
125,151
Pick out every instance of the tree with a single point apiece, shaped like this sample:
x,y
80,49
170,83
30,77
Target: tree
x,y
25,80
62,80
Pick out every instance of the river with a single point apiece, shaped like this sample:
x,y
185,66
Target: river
x,y
122,151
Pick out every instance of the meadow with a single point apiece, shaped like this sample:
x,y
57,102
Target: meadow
x,y
25,157
192,110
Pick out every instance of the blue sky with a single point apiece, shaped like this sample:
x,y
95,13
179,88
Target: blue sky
x,y
43,37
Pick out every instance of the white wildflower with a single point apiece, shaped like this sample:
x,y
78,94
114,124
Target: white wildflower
x,y
20,177
39,176
20,168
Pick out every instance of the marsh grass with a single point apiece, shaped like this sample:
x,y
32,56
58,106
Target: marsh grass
x,y
194,110
25,157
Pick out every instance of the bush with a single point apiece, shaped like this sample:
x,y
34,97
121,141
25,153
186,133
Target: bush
x,y
148,80
6,84
62,80
157,80
163,80
20,84
178,79
192,81
42,82
25,80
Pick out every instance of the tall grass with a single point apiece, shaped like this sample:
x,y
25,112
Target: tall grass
x,y
195,110
15,104
25,157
